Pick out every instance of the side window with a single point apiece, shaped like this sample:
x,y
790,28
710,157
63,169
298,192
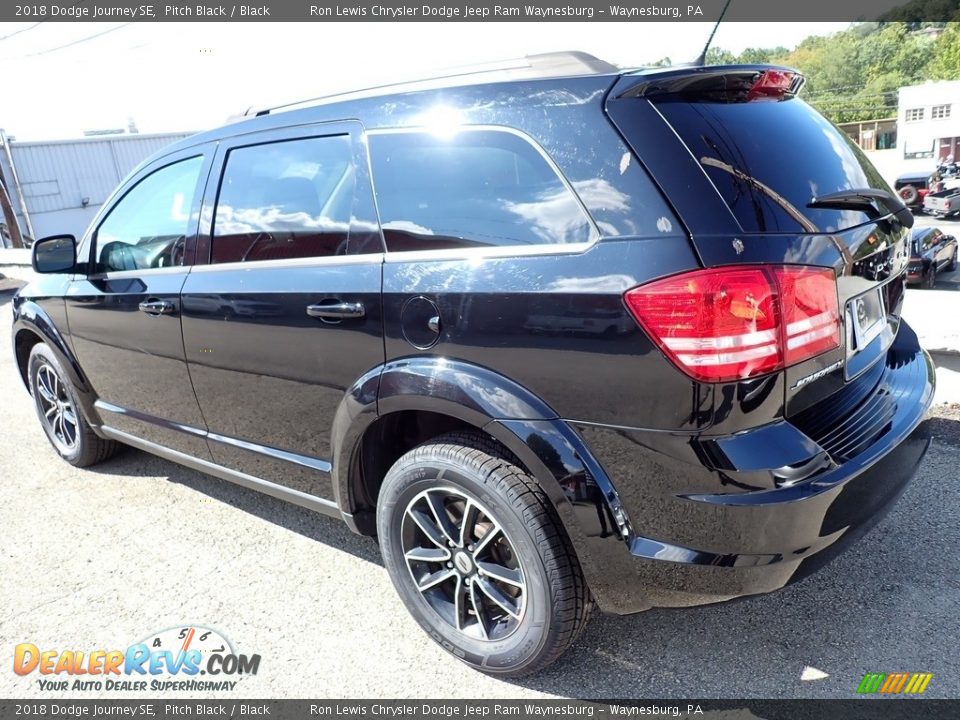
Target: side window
x,y
932,239
287,199
149,226
477,188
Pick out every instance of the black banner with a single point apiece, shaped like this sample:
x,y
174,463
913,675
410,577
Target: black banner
x,y
479,10
914,709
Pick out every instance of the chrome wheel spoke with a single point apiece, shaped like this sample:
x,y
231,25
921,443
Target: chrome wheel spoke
x,y
44,388
68,414
460,603
501,573
506,603
50,411
434,579
478,611
425,523
488,536
439,513
58,428
430,555
69,423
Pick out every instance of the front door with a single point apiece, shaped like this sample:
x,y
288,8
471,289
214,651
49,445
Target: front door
x,y
124,313
286,314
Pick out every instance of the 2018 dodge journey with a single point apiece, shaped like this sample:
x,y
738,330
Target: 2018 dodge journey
x,y
559,335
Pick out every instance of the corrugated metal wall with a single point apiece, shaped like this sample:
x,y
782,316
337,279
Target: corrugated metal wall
x,y
64,182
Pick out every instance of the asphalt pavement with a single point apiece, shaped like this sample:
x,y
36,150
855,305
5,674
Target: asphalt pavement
x,y
101,558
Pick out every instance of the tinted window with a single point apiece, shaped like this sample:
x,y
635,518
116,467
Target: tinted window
x,y
477,188
787,147
289,199
148,227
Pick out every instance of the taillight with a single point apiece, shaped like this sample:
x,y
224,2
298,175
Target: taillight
x,y
772,85
740,322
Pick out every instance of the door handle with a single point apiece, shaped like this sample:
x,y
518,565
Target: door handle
x,y
336,310
156,307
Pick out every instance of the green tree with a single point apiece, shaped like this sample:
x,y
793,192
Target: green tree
x,y
945,63
856,74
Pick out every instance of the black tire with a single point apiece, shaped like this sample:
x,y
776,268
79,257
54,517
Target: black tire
x,y
553,604
953,261
930,279
55,401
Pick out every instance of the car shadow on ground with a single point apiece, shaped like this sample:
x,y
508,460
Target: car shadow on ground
x,y
666,653
315,526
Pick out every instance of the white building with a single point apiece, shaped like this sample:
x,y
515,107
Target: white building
x,y
928,122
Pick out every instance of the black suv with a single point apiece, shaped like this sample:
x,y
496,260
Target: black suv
x,y
558,335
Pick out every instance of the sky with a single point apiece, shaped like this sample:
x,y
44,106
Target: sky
x,y
61,79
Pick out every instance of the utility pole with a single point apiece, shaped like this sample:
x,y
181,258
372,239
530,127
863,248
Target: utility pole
x,y
10,218
24,213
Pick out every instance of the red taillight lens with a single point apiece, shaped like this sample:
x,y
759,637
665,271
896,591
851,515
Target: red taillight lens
x,y
811,319
771,85
736,323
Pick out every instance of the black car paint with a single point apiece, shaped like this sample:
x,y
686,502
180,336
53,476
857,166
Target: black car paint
x,y
668,487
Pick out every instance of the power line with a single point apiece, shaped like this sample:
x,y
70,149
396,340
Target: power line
x,y
22,30
80,41
34,26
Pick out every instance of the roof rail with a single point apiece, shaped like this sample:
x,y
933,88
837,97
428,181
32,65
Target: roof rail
x,y
545,65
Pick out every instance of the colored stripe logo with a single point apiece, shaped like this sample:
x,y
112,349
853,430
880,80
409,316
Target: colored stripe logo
x,y
894,683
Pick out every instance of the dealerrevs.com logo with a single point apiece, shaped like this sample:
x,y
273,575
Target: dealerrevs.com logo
x,y
189,658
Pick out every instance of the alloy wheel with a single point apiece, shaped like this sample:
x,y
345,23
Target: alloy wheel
x,y
56,408
463,564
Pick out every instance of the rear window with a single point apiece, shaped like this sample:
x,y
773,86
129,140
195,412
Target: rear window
x,y
786,147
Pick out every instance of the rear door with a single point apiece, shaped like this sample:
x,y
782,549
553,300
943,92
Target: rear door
x,y
124,313
285,314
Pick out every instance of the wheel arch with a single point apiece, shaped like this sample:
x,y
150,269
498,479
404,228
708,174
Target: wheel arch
x,y
32,325
407,402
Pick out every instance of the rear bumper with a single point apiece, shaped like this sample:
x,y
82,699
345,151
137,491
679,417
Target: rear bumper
x,y
713,519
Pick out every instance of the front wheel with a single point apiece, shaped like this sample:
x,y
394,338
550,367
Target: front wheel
x,y
477,554
56,403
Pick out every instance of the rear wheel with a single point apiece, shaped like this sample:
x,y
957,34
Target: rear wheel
x,y
479,557
930,281
56,403
953,261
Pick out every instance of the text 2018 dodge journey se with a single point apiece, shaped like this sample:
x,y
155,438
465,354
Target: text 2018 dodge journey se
x,y
559,335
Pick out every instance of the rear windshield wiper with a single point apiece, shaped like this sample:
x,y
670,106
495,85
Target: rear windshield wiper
x,y
866,199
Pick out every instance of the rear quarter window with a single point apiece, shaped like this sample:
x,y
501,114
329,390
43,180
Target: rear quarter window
x,y
475,188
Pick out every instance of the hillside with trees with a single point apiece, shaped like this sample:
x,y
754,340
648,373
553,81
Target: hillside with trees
x,y
855,74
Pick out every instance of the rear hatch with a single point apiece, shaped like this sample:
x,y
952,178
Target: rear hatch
x,y
762,179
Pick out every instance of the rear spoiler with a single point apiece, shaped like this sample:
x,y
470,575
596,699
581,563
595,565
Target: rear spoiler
x,y
718,83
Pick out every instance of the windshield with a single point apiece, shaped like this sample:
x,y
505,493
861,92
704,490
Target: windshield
x,y
768,160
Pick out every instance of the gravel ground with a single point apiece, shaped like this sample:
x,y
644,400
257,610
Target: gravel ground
x,y
102,558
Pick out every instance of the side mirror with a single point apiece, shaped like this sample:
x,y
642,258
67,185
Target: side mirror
x,y
55,254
